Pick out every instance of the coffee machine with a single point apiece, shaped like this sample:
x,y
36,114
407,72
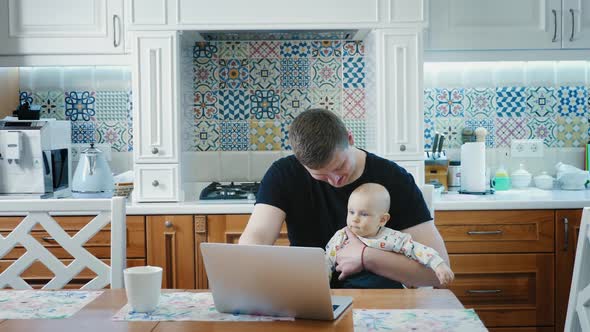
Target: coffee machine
x,y
35,158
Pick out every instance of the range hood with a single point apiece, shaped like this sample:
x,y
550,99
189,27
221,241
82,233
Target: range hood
x,y
244,35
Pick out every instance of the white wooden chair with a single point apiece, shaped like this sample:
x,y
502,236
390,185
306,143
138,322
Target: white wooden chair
x,y
578,309
40,212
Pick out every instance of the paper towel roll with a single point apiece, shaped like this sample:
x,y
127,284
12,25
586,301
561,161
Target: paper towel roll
x,y
473,167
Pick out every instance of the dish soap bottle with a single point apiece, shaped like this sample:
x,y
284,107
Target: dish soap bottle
x,y
501,180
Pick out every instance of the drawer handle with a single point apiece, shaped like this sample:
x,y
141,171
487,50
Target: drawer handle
x,y
155,150
484,232
484,291
565,234
554,39
48,239
155,183
168,224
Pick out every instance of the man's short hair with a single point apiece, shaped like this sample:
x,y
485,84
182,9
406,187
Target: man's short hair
x,y
315,134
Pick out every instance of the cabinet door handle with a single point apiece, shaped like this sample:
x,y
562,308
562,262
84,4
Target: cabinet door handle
x,y
155,150
484,232
565,234
484,291
155,183
573,25
554,25
402,148
117,28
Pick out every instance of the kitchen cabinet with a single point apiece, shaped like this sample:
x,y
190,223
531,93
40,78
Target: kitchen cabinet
x,y
508,25
227,228
30,27
156,117
171,245
99,245
567,229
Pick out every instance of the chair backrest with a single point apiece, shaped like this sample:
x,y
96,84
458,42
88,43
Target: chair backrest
x,y
39,212
578,309
428,194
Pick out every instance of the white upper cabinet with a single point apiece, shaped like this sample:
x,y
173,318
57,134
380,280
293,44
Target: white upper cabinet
x,y
61,27
508,24
155,97
576,24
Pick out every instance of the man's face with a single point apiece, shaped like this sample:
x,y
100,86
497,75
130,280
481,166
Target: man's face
x,y
338,171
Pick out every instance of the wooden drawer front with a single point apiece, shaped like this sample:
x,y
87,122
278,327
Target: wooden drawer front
x,y
229,228
98,245
496,231
523,329
38,274
508,289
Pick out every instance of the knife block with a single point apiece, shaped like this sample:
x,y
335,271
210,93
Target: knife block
x,y
436,171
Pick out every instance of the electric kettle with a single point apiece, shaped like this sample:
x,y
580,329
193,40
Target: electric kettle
x,y
93,177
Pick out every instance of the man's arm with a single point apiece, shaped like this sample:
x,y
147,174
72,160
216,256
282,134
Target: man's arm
x,y
392,265
264,225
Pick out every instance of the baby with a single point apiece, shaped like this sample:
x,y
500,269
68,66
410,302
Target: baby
x,y
368,207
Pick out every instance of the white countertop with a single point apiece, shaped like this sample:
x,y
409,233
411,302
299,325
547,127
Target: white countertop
x,y
191,207
515,199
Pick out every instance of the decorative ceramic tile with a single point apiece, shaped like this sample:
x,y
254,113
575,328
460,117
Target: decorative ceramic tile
x,y
508,129
80,105
353,48
233,74
354,104
112,105
235,135
285,125
543,128
114,133
458,320
265,104
233,104
541,101
487,124
36,304
326,48
359,132
451,128
295,49
293,102
265,73
571,131
326,98
265,49
353,72
25,97
295,73
130,135
572,100
205,136
428,132
429,95
52,104
232,49
203,49
205,74
326,72
510,102
83,132
205,105
265,135
449,102
480,102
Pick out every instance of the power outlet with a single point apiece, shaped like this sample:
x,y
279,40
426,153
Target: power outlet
x,y
527,148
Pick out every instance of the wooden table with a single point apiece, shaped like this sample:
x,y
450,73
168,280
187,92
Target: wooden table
x,y
97,315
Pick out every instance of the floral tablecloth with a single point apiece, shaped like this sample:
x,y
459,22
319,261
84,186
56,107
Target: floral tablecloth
x,y
38,304
461,320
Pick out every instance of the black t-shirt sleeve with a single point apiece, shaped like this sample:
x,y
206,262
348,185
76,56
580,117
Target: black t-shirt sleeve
x,y
273,186
409,206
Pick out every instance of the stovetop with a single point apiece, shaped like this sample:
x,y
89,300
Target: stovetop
x,y
231,191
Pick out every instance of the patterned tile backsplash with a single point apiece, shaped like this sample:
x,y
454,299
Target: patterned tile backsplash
x,y
96,100
557,112
244,94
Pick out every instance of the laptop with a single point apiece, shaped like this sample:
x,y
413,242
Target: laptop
x,y
271,280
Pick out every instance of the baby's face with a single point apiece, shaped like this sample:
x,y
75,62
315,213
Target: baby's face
x,y
363,217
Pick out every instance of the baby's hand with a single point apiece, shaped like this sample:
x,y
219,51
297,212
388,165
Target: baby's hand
x,y
444,274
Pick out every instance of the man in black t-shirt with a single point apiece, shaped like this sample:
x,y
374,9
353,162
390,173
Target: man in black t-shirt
x,y
310,189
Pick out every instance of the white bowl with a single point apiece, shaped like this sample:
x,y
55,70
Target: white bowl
x,y
544,182
520,180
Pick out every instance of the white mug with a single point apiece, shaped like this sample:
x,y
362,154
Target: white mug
x,y
143,285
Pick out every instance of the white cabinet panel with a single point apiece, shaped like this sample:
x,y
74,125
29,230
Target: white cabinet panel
x,y
157,183
576,24
498,24
155,97
416,168
148,12
61,27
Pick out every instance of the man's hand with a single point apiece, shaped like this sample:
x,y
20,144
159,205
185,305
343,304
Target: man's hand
x,y
348,258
